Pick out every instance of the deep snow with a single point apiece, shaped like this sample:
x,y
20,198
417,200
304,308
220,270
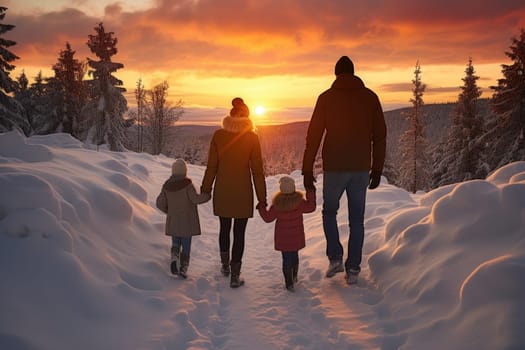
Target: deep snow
x,y
84,264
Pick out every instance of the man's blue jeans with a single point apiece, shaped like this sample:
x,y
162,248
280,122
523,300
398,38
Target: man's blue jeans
x,y
355,184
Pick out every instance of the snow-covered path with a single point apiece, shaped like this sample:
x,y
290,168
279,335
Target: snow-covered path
x,y
262,314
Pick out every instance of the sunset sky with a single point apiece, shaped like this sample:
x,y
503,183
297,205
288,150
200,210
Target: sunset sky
x,y
275,54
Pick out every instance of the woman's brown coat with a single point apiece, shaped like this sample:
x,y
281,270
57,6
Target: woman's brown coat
x,y
234,160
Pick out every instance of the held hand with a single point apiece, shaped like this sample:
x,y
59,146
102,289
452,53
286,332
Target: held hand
x,y
261,205
308,180
375,179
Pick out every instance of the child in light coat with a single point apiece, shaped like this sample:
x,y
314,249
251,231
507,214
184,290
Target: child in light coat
x,y
178,199
288,207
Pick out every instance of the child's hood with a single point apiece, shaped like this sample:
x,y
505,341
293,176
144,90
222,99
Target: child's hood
x,y
176,184
287,201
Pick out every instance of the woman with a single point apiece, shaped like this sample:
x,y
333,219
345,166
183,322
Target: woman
x,y
233,160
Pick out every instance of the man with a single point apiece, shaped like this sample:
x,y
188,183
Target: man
x,y
350,117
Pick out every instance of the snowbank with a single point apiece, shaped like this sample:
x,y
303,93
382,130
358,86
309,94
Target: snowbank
x,y
450,267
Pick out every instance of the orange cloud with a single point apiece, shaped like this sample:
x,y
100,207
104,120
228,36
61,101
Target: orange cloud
x,y
200,39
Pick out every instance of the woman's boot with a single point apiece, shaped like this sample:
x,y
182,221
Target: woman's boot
x,y
235,279
225,263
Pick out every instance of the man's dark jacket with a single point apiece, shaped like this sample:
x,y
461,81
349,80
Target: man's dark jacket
x,y
354,123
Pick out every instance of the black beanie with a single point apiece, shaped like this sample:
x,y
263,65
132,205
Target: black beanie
x,y
344,66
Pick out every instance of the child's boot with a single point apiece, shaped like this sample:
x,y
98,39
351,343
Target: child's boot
x,y
184,263
225,263
288,278
295,270
175,260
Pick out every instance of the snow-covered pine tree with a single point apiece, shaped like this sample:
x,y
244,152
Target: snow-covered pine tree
x,y
414,172
463,148
140,96
472,164
69,75
103,114
191,150
11,112
43,112
23,96
160,116
508,102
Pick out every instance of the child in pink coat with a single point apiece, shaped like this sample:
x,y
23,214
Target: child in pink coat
x,y
288,207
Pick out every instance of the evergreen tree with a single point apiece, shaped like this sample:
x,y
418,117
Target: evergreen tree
x,y
414,171
54,104
470,121
11,112
23,83
23,96
104,112
69,75
463,156
508,102
140,96
43,112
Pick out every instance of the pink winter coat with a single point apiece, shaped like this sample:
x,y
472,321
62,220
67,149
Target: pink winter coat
x,y
288,210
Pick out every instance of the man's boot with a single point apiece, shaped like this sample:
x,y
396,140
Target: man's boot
x,y
235,279
225,263
334,267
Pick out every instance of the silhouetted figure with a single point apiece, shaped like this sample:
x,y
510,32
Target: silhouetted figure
x,y
350,117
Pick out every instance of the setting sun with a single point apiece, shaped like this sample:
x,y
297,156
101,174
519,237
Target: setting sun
x,y
259,110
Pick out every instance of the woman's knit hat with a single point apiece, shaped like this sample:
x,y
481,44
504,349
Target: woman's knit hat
x,y
287,184
239,108
178,168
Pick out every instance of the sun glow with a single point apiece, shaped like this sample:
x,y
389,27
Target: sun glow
x,y
259,111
